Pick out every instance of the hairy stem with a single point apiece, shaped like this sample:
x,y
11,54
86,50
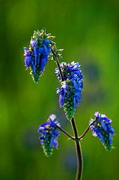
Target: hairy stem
x,y
78,151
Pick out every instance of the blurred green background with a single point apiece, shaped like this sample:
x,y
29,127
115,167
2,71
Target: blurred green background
x,y
88,31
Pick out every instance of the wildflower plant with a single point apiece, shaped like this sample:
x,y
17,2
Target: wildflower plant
x,y
42,48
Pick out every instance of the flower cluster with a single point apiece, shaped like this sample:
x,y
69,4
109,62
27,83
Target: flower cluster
x,y
49,135
101,127
71,89
37,55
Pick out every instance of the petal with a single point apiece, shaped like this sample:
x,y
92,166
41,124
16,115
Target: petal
x,y
100,136
97,114
110,129
52,141
103,126
52,117
61,100
55,143
46,50
28,61
47,41
33,43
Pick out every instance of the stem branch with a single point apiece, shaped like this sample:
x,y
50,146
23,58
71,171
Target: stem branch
x,y
86,131
65,132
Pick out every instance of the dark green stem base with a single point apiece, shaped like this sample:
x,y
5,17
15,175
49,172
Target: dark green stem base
x,y
78,151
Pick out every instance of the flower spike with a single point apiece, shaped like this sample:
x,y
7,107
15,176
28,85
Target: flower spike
x,y
49,135
70,92
38,53
102,129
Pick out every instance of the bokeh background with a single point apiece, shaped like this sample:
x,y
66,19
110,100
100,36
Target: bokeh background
x,y
88,31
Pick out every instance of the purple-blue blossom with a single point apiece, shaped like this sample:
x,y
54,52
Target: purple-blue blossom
x,y
70,92
37,55
49,134
101,127
70,71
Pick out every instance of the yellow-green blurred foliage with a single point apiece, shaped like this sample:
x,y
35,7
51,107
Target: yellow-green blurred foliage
x,y
88,31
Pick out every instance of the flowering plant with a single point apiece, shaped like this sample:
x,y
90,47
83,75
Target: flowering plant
x,y
41,49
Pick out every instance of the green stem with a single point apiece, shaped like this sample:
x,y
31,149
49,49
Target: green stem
x,y
78,151
78,148
58,64
67,134
86,131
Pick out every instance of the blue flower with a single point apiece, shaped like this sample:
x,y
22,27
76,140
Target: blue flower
x,y
101,127
70,71
70,92
37,55
49,135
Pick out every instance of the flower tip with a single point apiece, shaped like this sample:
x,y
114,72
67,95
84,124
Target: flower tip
x,y
97,114
53,117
